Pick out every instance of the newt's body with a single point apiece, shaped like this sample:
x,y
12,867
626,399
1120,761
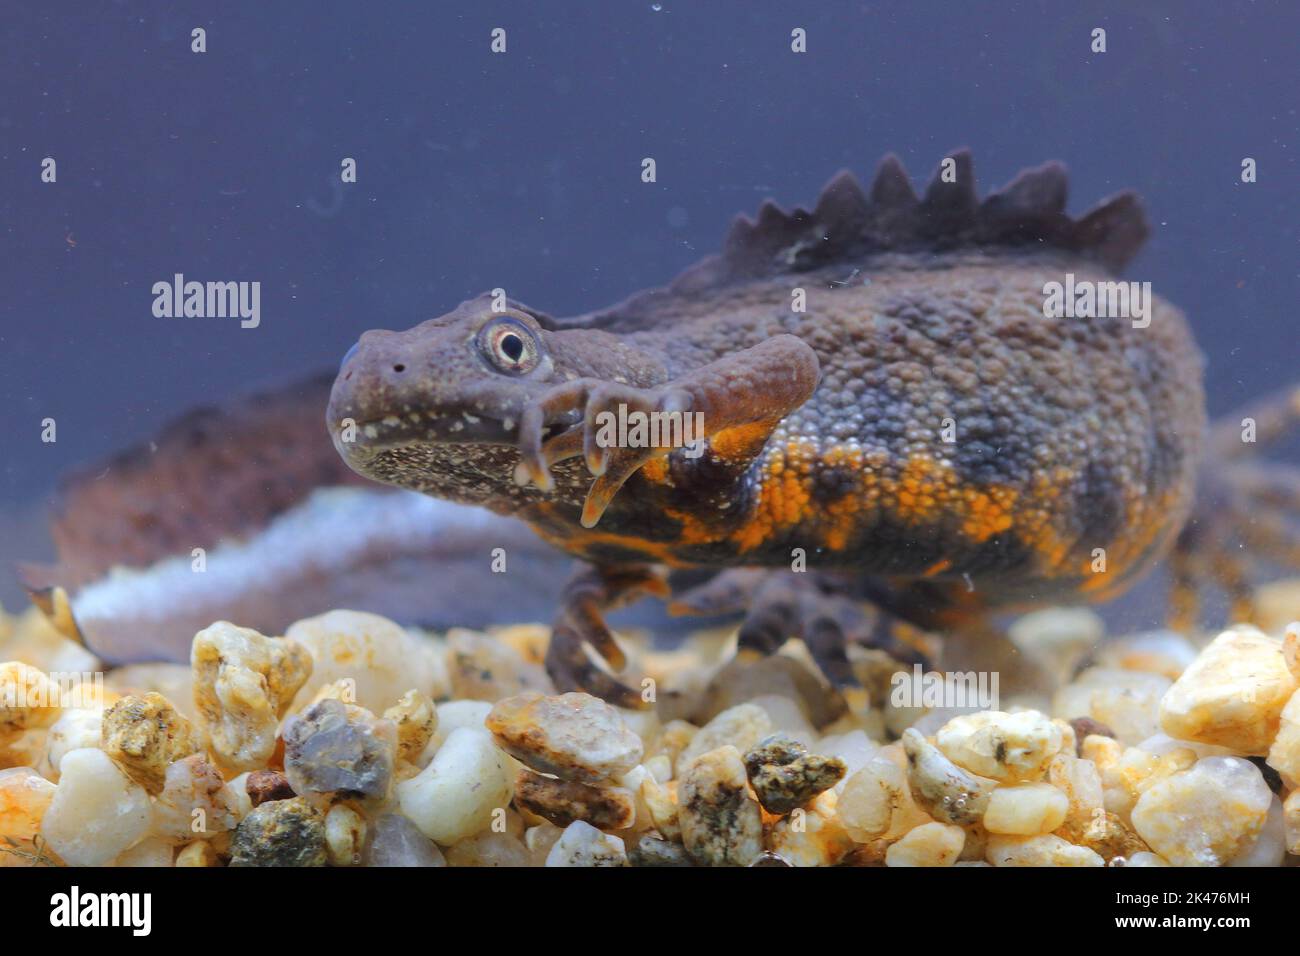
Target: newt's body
x,y
920,423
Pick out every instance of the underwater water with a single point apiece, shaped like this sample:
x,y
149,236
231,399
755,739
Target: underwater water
x,y
522,170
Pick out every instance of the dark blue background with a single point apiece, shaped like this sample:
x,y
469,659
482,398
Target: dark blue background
x,y
522,170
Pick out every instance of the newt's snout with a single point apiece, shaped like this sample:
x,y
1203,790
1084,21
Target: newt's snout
x,y
423,385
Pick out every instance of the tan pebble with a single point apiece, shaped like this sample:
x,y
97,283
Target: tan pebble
x,y
377,659
1042,850
1103,751
673,738
28,699
1166,653
877,803
194,801
1284,752
1006,747
1127,702
720,821
173,681
931,844
659,767
662,807
741,727
1079,780
198,853
811,836
1058,637
644,723
23,748
483,668
1232,695
574,736
1136,771
144,735
1291,647
774,677
529,641
345,835
1291,816
243,684
1105,834
24,797
1026,809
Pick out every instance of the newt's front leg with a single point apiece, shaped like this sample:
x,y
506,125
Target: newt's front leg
x,y
580,622
751,391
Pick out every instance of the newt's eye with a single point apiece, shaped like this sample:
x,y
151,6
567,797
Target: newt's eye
x,y
510,346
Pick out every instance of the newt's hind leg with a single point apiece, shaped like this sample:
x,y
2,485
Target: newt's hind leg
x,y
780,604
580,624
1247,512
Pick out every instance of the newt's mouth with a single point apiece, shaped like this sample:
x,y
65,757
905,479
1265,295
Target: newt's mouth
x,y
415,428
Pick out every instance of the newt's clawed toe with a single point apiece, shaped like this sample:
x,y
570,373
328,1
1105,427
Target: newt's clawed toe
x,y
779,605
618,429
580,624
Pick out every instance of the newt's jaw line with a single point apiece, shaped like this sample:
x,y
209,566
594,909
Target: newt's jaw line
x,y
465,456
416,428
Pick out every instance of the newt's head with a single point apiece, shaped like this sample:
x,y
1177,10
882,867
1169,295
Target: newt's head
x,y
436,408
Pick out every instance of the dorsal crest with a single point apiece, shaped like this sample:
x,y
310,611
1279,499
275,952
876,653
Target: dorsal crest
x,y
848,224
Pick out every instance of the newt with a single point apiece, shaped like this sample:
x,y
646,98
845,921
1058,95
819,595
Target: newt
x,y
880,392
883,404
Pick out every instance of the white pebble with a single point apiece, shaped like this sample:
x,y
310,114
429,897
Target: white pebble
x,y
456,795
1232,695
581,844
931,844
1204,816
96,813
1026,810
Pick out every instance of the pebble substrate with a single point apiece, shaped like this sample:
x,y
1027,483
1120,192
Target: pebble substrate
x,y
351,741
